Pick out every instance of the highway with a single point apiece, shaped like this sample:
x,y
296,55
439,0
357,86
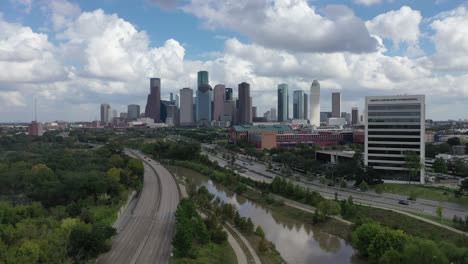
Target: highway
x,y
146,234
256,171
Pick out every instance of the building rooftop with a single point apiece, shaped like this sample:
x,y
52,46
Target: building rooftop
x,y
243,128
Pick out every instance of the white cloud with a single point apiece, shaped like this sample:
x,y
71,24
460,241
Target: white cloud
x,y
26,56
62,13
398,25
11,99
288,24
367,2
107,59
451,40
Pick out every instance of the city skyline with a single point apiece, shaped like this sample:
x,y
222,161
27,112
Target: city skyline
x,y
421,57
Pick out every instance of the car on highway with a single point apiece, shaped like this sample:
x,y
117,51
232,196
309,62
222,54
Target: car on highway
x,y
403,202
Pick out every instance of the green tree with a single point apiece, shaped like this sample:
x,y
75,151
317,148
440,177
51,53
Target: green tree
x,y
440,166
385,240
390,256
453,141
328,208
136,165
423,251
413,164
364,186
259,231
439,212
114,174
364,235
117,161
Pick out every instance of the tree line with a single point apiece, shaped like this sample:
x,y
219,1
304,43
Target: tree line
x,y
60,199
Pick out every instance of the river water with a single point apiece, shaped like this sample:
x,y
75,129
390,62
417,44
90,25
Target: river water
x,y
297,242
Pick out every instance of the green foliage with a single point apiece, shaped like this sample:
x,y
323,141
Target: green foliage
x,y
328,208
454,141
440,166
363,236
423,251
364,186
61,198
259,231
385,240
289,190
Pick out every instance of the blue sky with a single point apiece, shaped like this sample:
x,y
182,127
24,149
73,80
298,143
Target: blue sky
x,y
357,47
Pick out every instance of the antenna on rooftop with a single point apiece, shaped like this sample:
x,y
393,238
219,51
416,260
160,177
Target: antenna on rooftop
x,y
35,109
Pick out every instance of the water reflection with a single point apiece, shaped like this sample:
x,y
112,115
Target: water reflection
x,y
297,242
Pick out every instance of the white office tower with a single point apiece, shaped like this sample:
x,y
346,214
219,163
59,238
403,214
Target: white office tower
x,y
315,104
395,127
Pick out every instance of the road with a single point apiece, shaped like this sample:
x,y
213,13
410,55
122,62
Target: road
x,y
146,235
256,171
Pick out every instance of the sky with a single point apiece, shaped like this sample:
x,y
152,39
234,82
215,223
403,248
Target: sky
x,y
74,55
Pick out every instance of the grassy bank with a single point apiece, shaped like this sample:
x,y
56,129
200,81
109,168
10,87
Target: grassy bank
x,y
210,254
410,225
440,194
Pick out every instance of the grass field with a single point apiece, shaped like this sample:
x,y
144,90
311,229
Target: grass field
x,y
210,254
426,192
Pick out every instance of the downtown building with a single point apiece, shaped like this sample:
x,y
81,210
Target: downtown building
x,y
283,102
133,112
105,109
394,126
314,98
153,103
204,94
245,104
298,104
219,95
336,105
186,107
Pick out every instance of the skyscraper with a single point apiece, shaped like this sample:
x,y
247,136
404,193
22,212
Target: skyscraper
x,y
394,126
354,116
315,104
228,96
306,106
245,106
219,95
133,111
177,100
283,102
336,104
105,113
186,107
273,115
254,110
153,103
204,94
298,104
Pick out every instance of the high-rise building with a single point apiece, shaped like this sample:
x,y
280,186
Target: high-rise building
x,y
394,128
324,116
267,115
133,111
171,98
283,102
228,96
153,103
105,113
315,104
306,106
124,115
245,106
298,104
177,100
186,107
219,95
254,110
113,116
35,129
354,116
204,94
274,117
336,105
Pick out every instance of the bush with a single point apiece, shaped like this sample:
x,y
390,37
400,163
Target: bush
x,y
363,186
